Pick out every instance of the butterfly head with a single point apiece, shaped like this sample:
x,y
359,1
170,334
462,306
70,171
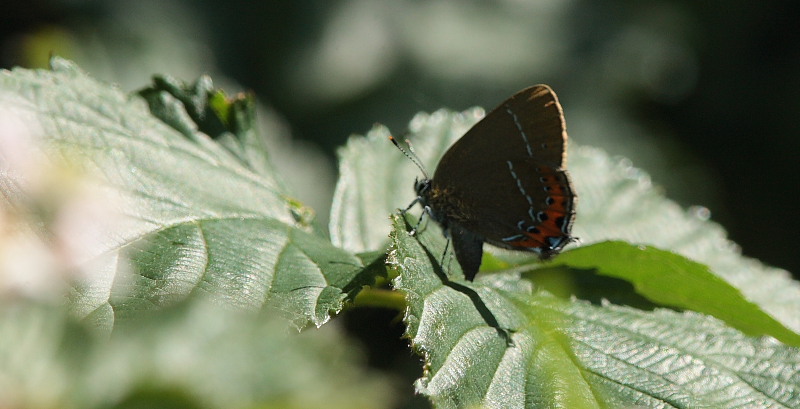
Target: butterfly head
x,y
422,187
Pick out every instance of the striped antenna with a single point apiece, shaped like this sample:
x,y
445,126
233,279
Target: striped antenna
x,y
410,154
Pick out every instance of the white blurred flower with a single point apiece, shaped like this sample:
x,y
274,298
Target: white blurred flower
x,y
54,218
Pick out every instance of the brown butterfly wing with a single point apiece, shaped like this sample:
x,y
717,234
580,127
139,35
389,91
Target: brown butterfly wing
x,y
504,179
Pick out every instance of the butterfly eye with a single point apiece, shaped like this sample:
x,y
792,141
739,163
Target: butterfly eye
x,y
422,186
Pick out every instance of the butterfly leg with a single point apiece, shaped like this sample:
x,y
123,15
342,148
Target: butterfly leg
x,y
427,210
415,201
444,254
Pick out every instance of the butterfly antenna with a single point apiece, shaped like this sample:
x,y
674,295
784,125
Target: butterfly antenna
x,y
410,154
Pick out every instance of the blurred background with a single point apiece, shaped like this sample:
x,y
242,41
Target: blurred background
x,y
702,95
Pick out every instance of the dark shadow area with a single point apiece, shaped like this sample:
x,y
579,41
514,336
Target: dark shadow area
x,y
587,285
380,332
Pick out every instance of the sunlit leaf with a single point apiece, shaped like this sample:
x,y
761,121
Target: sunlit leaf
x,y
182,216
497,343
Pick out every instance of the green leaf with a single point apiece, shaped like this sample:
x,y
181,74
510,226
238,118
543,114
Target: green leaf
x,y
176,215
230,121
495,342
188,108
615,202
669,279
570,353
618,202
193,355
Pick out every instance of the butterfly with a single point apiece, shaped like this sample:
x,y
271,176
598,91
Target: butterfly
x,y
504,182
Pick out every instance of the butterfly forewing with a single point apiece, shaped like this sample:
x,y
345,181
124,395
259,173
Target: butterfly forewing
x,y
529,124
